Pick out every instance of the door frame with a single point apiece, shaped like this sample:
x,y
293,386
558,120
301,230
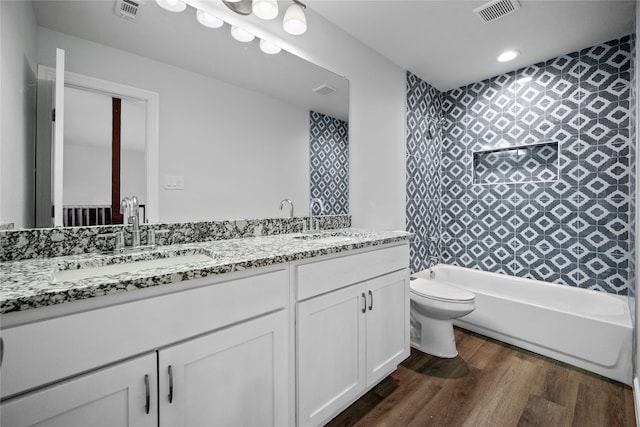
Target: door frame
x,y
46,78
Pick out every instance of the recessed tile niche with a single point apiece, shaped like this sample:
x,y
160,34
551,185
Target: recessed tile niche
x,y
512,165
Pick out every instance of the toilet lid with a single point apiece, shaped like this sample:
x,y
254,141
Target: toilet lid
x,y
440,291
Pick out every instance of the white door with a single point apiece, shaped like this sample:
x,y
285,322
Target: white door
x,y
58,140
387,324
121,395
238,376
331,353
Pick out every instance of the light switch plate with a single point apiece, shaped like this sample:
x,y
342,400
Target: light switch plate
x,y
172,182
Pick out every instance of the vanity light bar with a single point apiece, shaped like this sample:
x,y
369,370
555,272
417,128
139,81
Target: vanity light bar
x,y
209,20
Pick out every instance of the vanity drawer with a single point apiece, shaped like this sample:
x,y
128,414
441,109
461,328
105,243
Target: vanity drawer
x,y
43,352
319,277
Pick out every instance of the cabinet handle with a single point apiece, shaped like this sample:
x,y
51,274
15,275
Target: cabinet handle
x,y
370,300
1,350
148,396
364,300
170,385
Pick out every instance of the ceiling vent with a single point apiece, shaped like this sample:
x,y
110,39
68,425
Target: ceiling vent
x,y
324,89
127,9
496,9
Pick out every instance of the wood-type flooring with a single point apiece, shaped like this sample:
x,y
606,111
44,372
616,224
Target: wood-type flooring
x,y
491,384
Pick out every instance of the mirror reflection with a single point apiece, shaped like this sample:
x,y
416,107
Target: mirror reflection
x,y
234,124
95,125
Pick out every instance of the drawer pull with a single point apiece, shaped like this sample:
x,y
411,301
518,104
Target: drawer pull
x,y
170,385
147,395
370,300
364,301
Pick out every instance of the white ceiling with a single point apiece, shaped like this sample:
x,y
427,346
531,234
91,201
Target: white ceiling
x,y
178,39
446,44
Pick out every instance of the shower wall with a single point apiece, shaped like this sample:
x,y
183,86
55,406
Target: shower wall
x,y
424,174
572,228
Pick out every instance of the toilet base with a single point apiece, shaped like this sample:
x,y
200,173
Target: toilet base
x,y
435,337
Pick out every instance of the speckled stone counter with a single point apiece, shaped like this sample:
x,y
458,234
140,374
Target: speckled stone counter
x,y
29,283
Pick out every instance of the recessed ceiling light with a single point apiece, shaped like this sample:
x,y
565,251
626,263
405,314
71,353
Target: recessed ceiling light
x,y
522,80
508,55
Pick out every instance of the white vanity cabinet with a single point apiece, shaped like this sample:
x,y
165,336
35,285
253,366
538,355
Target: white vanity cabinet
x,y
121,395
226,341
352,328
235,377
214,351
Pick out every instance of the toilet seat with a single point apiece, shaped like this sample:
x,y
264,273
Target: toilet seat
x,y
440,292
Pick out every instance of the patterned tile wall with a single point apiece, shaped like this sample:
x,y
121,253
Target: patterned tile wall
x,y
424,172
574,230
329,163
632,179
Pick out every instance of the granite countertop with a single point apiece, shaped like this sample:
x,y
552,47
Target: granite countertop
x,y
30,283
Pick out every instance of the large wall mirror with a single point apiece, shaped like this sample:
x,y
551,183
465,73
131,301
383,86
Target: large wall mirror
x,y
235,125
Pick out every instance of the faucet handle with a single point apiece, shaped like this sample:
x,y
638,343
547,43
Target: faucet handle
x,y
152,234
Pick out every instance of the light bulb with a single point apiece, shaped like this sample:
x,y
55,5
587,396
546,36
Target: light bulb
x,y
507,56
208,20
265,9
294,20
269,47
172,5
241,35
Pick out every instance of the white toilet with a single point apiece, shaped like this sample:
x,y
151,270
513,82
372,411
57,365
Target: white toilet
x,y
434,305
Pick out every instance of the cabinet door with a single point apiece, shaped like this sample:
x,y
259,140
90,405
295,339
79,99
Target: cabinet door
x,y
387,324
331,358
238,376
110,397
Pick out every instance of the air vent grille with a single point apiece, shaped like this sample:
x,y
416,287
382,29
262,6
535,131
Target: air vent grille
x,y
496,9
324,89
127,9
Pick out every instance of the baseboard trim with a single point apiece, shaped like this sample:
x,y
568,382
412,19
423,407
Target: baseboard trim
x,y
636,398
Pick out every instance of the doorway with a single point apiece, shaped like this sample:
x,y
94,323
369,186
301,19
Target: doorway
x,y
104,156
134,102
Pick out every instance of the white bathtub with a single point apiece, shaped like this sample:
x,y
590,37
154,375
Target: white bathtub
x,y
588,329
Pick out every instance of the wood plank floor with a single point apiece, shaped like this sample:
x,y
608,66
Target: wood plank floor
x,y
490,384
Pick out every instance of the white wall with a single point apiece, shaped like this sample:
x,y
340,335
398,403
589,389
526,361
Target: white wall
x,y
87,175
229,144
376,121
18,101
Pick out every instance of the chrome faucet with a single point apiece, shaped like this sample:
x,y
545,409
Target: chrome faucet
x,y
290,206
130,209
314,223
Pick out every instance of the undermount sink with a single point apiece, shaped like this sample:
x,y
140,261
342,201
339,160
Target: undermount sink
x,y
129,266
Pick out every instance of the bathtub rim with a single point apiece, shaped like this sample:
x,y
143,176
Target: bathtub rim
x,y
620,319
